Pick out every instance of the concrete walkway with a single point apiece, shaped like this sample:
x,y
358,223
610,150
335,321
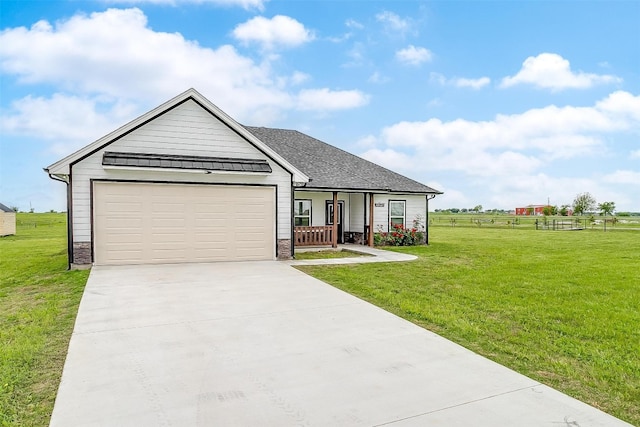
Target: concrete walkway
x,y
263,344
374,255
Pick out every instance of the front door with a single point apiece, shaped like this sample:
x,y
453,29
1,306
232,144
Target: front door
x,y
329,218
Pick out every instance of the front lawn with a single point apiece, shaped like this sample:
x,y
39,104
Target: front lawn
x,y
328,254
38,304
562,307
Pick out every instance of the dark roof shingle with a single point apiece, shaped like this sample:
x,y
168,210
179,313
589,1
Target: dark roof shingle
x,y
332,168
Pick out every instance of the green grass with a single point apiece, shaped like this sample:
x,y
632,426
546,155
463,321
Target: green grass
x,y
489,220
562,307
39,300
328,254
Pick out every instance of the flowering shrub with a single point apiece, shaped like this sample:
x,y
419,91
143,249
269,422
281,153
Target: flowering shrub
x,y
400,236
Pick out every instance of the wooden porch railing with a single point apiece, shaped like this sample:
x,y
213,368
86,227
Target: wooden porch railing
x,y
313,236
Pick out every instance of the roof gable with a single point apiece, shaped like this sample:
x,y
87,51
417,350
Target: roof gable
x,y
63,166
329,167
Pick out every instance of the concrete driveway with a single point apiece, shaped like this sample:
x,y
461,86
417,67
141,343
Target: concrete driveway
x,y
260,343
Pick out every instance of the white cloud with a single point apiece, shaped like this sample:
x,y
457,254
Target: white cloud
x,y
299,78
356,55
623,104
367,141
68,121
378,78
115,53
508,144
327,100
394,23
279,31
635,154
552,71
413,55
352,23
246,4
461,82
392,159
112,58
472,83
623,177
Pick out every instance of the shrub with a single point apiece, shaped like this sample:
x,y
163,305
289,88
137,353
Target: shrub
x,y
400,235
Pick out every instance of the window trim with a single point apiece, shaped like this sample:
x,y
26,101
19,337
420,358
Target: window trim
x,y
404,213
295,215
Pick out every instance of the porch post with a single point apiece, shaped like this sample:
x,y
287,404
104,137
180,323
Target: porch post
x,y
334,242
364,220
370,242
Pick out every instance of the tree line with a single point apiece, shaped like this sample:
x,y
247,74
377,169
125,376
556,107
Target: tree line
x,y
583,203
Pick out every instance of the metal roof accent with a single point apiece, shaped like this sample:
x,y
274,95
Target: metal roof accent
x,y
4,208
329,167
167,161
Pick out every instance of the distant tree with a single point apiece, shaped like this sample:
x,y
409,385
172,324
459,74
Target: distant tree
x,y
478,208
606,208
15,208
530,210
564,210
547,211
583,203
463,210
454,210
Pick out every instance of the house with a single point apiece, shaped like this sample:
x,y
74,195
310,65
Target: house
x,y
187,183
7,221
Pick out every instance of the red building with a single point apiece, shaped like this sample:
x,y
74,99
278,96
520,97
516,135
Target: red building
x,y
531,210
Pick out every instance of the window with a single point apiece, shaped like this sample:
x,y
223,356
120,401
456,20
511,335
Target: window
x,y
302,213
396,212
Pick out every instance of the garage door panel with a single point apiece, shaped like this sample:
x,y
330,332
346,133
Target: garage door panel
x,y
168,239
123,238
156,223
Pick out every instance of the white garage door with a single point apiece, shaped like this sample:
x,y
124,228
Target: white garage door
x,y
137,223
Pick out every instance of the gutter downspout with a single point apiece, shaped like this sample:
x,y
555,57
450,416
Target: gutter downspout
x,y
69,225
426,224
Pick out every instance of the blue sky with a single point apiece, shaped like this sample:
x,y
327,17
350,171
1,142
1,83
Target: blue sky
x,y
497,103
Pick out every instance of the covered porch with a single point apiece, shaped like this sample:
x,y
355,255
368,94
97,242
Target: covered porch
x,y
359,215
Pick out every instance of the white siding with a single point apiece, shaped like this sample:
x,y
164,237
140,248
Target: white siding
x,y
186,130
356,213
7,223
415,207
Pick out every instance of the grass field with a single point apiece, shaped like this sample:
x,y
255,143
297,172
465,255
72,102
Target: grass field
x,y
488,220
562,307
38,304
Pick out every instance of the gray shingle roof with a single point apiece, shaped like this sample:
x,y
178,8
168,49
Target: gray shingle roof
x,y
144,160
4,208
332,168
